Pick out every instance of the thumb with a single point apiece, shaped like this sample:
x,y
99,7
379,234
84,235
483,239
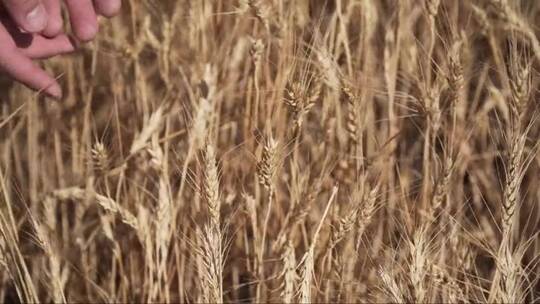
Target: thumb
x,y
30,15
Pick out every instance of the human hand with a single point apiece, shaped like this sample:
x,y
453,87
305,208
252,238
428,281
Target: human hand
x,y
45,17
33,29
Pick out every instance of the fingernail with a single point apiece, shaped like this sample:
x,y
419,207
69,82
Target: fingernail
x,y
36,19
54,91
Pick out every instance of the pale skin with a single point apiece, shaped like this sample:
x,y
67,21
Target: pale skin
x,y
33,29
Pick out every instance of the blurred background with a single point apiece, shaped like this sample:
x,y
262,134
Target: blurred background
x,y
280,151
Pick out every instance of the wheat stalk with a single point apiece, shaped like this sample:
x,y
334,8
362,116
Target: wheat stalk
x,y
211,253
418,266
266,169
100,157
289,274
390,286
353,102
308,259
510,17
150,127
211,185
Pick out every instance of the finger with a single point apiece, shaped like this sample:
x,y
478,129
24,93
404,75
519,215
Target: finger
x,y
107,8
83,18
21,68
55,21
30,15
43,47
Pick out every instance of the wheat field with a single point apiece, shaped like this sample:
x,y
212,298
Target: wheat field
x,y
291,151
